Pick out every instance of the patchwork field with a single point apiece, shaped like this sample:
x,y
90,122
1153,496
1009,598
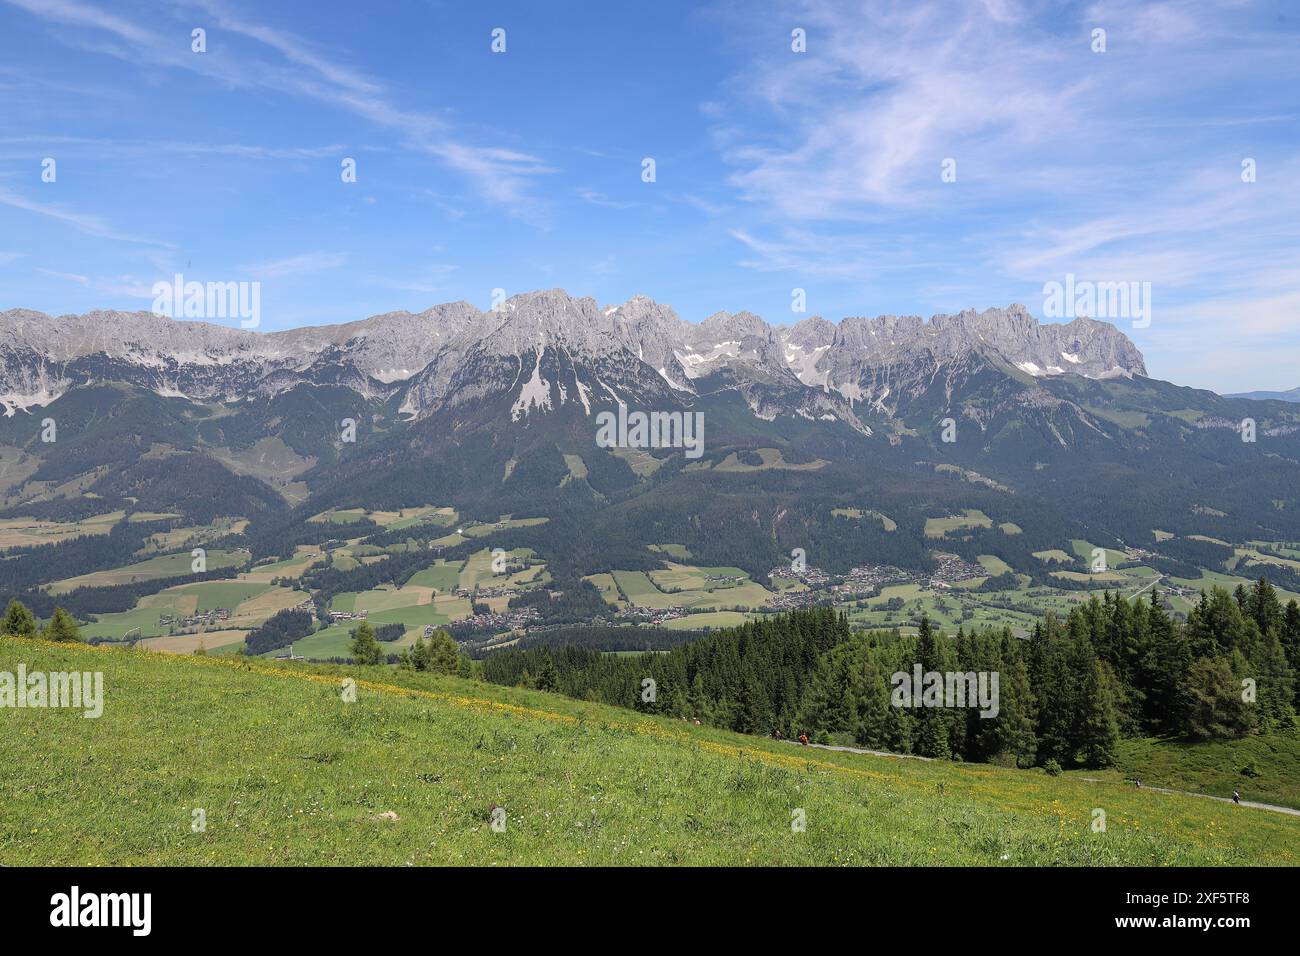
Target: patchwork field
x,y
395,520
335,640
1083,551
709,619
250,603
701,590
441,576
969,518
291,568
189,643
772,459
886,522
477,571
190,536
163,566
30,532
639,460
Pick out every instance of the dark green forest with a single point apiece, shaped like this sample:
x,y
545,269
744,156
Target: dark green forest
x,y
1112,668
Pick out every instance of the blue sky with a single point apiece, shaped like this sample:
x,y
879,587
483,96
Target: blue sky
x,y
775,170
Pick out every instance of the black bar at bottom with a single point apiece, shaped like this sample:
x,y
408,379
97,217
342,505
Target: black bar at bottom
x,y
213,905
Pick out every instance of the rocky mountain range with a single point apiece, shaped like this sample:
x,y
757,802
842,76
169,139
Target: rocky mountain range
x,y
1052,432
546,350
1290,395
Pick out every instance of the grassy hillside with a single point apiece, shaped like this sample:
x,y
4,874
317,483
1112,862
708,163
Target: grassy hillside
x,y
289,773
1271,765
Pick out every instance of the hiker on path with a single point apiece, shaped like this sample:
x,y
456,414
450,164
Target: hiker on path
x,y
1236,797
803,739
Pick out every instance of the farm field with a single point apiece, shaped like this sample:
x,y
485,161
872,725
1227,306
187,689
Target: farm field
x,y
886,522
639,460
1083,551
164,566
969,518
189,643
31,532
403,518
677,551
477,571
707,619
506,522
962,607
639,588
291,568
250,604
440,576
188,536
772,459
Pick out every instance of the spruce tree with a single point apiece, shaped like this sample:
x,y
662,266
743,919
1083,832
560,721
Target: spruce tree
x,y
1290,637
62,627
1217,711
1164,673
365,649
548,678
444,654
1096,731
1009,737
18,621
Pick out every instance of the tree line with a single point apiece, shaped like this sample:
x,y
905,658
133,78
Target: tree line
x,y
1111,668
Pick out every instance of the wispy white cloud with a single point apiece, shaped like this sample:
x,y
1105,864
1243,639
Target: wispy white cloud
x,y
502,175
20,147
303,264
884,94
1067,160
128,286
597,198
87,223
427,281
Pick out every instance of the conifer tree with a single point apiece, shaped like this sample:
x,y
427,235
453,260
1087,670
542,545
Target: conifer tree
x,y
18,621
62,627
1217,711
365,649
1010,735
548,678
1096,731
444,654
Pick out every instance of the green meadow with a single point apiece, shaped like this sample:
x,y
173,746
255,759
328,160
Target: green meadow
x,y
417,769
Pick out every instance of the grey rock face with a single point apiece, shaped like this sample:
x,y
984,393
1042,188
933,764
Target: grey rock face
x,y
546,349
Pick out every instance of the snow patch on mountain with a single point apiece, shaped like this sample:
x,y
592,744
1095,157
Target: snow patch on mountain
x,y
536,392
